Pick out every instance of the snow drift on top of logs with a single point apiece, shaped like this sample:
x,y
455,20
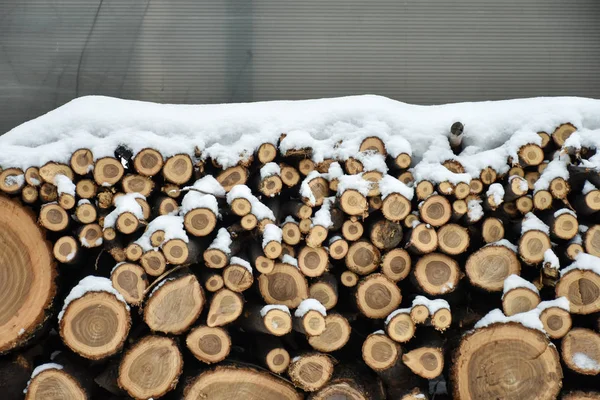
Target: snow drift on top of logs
x,y
227,133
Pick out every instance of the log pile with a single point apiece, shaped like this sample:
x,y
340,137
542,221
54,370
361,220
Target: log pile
x,y
287,277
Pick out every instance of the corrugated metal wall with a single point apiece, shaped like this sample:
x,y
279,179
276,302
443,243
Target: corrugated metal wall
x,y
209,51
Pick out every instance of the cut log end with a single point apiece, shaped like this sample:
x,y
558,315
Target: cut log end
x,y
353,203
277,322
401,328
334,337
519,300
557,322
148,162
153,261
225,307
209,345
505,349
581,351
396,264
492,230
55,384
352,230
226,383
436,210
582,288
150,368
53,217
533,245
95,325
29,288
65,249
531,155
108,171
488,267
313,261
426,362
437,273
379,352
423,239
178,169
175,305
131,281
363,257
284,285
237,278
200,222
349,279
311,372
338,249
453,239
377,296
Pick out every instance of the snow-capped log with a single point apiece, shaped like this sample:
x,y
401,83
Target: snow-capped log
x,y
581,351
331,214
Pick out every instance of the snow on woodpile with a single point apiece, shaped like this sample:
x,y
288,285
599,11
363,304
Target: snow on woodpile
x,y
504,243
287,259
171,225
388,185
39,369
64,185
515,281
222,241
241,262
125,203
584,261
334,128
532,223
310,305
267,308
323,216
272,233
207,185
432,305
586,363
90,284
396,312
551,260
496,192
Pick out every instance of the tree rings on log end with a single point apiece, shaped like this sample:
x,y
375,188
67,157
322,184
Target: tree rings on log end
x,y
55,384
363,257
436,210
557,322
150,368
524,356
380,352
130,280
175,305
95,325
488,267
437,273
336,334
582,288
227,383
209,345
581,351
310,372
377,296
284,285
27,273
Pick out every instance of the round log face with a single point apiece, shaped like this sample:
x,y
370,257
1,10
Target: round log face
x,y
519,300
488,267
209,345
557,322
380,352
362,258
278,360
148,162
453,239
401,328
437,273
175,305
278,322
436,210
55,384
518,362
95,325
592,240
335,336
131,281
582,288
532,246
150,368
341,390
311,372
377,296
396,264
227,383
27,275
284,285
581,351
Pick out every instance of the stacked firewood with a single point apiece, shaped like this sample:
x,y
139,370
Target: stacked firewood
x,y
142,276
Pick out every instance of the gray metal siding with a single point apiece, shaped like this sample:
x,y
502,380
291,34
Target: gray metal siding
x,y
213,51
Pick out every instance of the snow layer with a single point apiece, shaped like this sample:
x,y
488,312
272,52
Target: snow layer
x,y
475,211
496,191
561,302
267,308
432,305
587,187
532,223
388,185
356,182
550,259
194,200
334,128
323,216
504,243
529,319
207,185
584,261
308,305
372,161
272,233
239,192
64,185
515,281
39,369
125,203
396,312
586,363
564,211
557,168
90,284
269,169
260,211
241,262
171,225
222,241
287,259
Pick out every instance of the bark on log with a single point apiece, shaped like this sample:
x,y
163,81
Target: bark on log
x,y
270,321
426,362
311,372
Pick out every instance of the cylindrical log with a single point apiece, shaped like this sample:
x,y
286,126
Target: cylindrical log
x,y
325,290
492,230
174,304
225,307
363,257
284,285
518,300
352,230
379,352
488,267
51,380
153,261
66,249
557,322
453,239
108,171
385,234
436,210
178,169
334,337
581,351
338,248
353,202
399,326
396,264
310,372
209,345
148,162
237,276
86,189
272,354
273,320
426,362
437,274
377,296
395,207
130,280
422,239
313,261
137,184
582,288
53,217
349,279
150,368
